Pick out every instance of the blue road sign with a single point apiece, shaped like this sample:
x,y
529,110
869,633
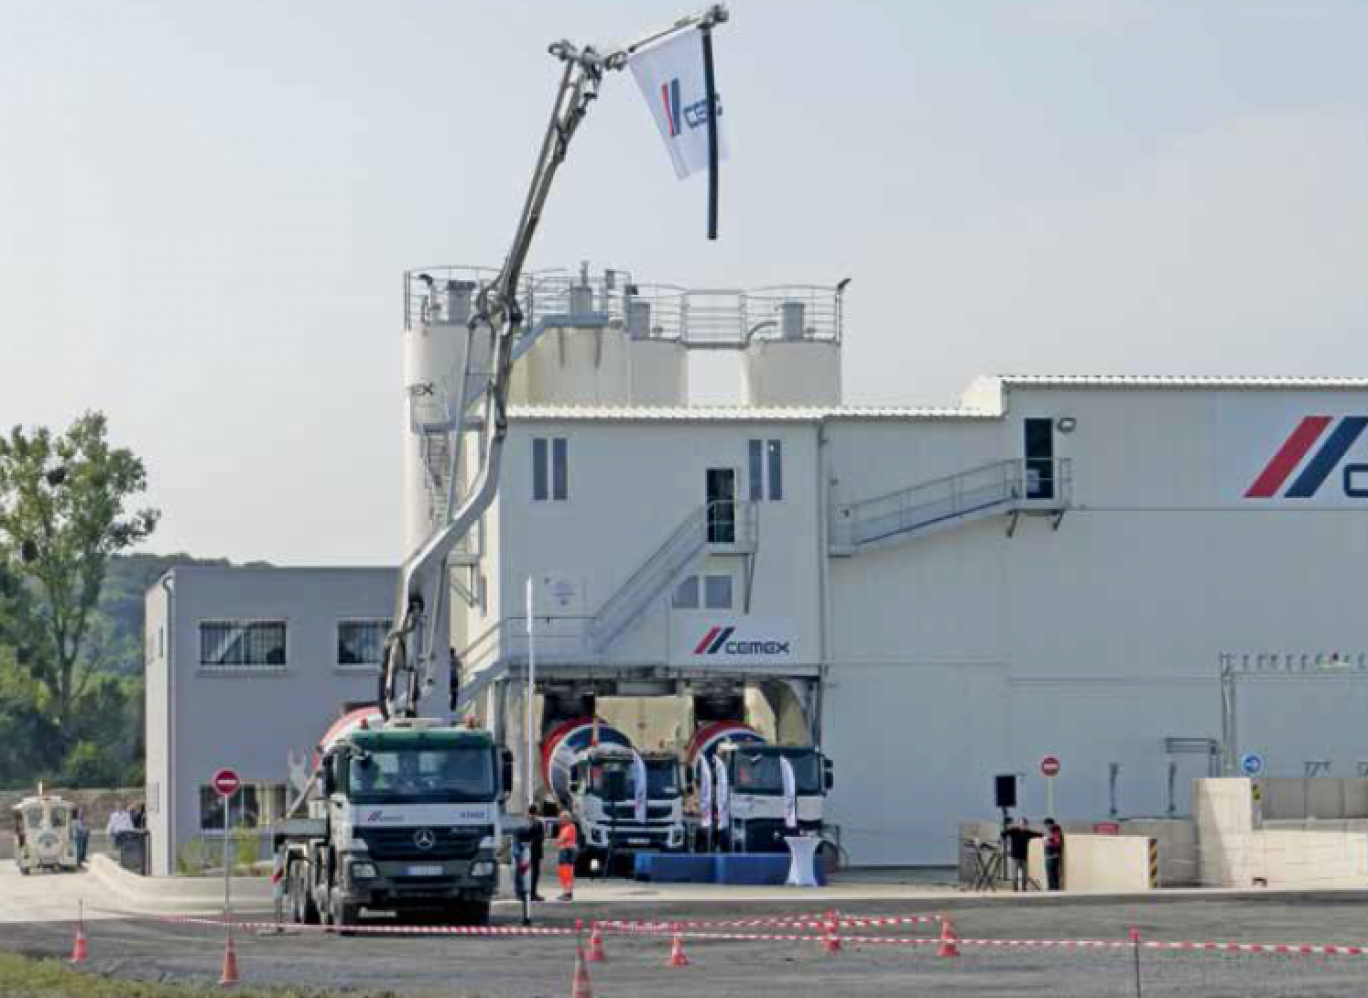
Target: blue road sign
x,y
1251,764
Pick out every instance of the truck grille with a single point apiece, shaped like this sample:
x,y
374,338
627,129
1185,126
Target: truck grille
x,y
654,812
402,843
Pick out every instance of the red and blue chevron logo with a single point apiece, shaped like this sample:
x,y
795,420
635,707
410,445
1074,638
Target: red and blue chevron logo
x,y
714,640
1330,450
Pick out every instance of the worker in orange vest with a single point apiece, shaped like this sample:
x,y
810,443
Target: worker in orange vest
x,y
567,845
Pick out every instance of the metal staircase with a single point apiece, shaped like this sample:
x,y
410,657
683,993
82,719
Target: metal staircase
x,y
718,527
1002,488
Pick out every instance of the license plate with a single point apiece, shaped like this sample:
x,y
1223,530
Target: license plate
x,y
425,871
638,842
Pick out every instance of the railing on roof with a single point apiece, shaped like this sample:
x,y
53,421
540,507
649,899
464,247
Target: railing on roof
x,y
701,318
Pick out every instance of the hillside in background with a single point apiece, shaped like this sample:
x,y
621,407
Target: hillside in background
x,y
121,603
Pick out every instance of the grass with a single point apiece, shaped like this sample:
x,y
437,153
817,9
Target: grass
x,y
22,977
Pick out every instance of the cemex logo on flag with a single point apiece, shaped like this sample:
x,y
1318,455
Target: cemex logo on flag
x,y
1320,466
671,79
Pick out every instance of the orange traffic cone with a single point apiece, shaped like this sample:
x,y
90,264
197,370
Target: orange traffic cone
x,y
832,933
230,966
949,940
677,957
596,953
80,951
579,986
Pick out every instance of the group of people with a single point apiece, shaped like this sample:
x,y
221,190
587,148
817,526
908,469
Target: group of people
x,y
567,851
1016,845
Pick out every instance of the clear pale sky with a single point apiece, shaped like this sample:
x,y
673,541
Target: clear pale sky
x,y
205,209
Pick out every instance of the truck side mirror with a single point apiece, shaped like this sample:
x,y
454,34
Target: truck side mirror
x,y
329,777
828,773
506,770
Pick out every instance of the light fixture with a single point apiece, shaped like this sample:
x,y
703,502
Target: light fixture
x,y
1066,424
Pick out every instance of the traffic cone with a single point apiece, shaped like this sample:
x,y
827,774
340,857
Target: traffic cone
x,y
80,951
949,940
677,957
596,953
230,966
832,933
579,986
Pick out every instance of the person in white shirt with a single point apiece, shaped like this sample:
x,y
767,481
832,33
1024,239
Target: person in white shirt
x,y
120,823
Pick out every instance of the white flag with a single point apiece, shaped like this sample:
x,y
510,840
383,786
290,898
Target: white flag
x,y
671,79
705,791
639,799
790,792
723,796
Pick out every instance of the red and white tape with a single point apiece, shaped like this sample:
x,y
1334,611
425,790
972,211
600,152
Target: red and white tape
x,y
660,925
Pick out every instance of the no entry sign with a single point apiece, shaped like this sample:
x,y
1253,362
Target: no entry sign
x,y
226,782
1049,766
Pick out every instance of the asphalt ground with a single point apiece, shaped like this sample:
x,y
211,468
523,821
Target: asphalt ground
x,y
139,948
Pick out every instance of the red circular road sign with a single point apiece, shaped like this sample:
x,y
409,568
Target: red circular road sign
x,y
1049,766
226,782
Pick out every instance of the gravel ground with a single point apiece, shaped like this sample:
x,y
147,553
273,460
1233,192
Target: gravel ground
x,y
526,967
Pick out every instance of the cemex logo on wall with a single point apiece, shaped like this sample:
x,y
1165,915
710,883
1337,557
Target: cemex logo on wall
x,y
718,642
1327,457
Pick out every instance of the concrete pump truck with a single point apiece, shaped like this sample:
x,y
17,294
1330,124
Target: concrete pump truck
x,y
405,813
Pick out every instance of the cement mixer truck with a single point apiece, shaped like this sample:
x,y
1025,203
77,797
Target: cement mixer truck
x,y
402,816
594,772
758,821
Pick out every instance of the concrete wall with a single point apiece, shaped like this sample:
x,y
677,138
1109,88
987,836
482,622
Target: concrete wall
x,y
1095,864
250,719
1241,847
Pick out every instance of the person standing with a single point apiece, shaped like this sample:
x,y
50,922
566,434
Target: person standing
x,y
1054,853
567,848
119,825
82,833
535,839
1018,841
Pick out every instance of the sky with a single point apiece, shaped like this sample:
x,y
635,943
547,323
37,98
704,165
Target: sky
x,y
206,209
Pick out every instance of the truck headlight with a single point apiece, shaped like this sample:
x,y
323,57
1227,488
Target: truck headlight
x,y
487,844
363,871
483,868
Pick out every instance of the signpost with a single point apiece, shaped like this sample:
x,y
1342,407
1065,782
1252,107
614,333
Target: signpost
x,y
1049,768
226,783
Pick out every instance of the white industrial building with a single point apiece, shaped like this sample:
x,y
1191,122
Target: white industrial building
x,y
935,595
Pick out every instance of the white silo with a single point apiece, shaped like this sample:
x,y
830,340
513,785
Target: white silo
x,y
437,348
794,358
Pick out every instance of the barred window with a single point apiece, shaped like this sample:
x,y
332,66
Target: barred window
x,y
256,805
228,643
361,642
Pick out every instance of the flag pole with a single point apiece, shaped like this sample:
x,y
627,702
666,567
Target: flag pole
x,y
710,86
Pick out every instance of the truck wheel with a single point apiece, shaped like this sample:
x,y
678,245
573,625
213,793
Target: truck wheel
x,y
23,870
479,911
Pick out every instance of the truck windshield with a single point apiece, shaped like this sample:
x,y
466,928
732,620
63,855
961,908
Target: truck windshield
x,y
759,772
418,776
662,780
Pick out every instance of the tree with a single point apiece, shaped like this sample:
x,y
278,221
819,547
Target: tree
x,y
63,512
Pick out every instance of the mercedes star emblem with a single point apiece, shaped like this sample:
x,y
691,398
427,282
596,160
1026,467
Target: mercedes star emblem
x,y
425,838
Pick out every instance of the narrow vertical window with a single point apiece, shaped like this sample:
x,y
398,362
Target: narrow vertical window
x,y
539,469
756,470
776,469
560,468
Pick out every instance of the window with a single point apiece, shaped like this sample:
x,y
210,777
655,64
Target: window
x,y
716,592
256,805
686,594
765,465
229,643
550,468
361,642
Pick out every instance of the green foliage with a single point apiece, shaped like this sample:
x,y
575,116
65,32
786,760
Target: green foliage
x,y
193,857
89,765
246,849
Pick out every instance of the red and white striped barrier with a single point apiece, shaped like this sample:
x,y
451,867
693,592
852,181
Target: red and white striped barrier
x,y
696,930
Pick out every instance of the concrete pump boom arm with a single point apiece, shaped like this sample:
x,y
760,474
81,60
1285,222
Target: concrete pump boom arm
x,y
423,583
